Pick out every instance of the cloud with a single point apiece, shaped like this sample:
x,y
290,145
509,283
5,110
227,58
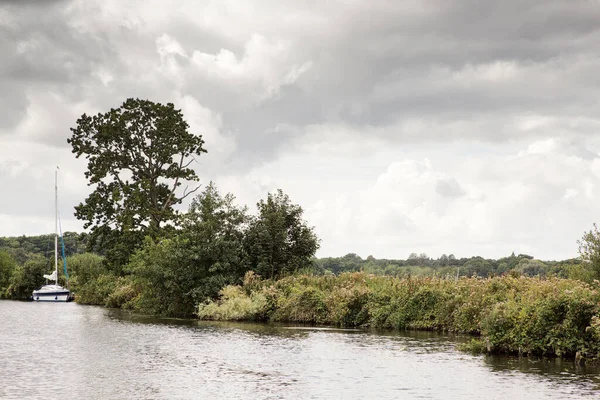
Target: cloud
x,y
516,201
341,103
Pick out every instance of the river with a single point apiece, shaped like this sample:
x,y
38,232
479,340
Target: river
x,y
69,351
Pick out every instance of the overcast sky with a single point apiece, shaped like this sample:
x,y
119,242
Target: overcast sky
x,y
466,127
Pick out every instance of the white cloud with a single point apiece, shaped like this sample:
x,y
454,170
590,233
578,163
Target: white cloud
x,y
209,124
48,117
494,72
542,146
264,61
570,193
496,203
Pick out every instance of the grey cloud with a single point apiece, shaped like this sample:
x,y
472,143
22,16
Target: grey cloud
x,y
387,48
529,19
38,3
12,108
375,64
449,188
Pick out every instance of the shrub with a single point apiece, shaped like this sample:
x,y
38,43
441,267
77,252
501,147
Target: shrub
x,y
235,305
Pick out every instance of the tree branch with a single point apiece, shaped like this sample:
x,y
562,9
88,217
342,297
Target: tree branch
x,y
169,200
186,193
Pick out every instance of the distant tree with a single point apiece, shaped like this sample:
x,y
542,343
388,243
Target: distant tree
x,y
7,267
351,262
477,266
139,156
589,250
413,259
443,260
527,256
278,240
502,267
531,267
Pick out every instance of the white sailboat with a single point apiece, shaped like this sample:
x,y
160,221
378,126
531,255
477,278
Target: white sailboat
x,y
54,292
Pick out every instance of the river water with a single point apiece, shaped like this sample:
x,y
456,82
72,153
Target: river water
x,y
69,351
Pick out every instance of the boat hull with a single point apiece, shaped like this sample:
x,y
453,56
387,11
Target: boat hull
x,y
52,295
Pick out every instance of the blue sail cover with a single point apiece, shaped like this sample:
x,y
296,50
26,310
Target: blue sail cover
x,y
62,242
63,256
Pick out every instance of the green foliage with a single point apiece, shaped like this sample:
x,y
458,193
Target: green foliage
x,y
28,277
138,157
91,280
164,275
589,249
303,303
176,274
550,317
278,240
449,266
98,290
236,306
475,346
24,248
84,268
124,293
7,268
531,267
215,228
582,272
349,263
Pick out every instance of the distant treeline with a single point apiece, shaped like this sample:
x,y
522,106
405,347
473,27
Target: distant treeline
x,y
24,248
449,265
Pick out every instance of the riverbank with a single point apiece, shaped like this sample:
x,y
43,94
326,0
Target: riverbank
x,y
512,315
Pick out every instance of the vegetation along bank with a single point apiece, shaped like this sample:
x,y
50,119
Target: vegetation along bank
x,y
508,314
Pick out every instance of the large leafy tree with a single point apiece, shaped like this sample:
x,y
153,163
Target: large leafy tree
x,y
139,158
278,240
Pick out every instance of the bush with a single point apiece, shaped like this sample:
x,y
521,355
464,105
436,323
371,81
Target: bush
x,y
123,295
235,305
96,291
91,280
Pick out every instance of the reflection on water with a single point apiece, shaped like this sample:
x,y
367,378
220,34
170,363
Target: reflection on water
x,y
73,351
553,370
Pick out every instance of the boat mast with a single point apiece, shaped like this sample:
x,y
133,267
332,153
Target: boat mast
x,y
56,225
